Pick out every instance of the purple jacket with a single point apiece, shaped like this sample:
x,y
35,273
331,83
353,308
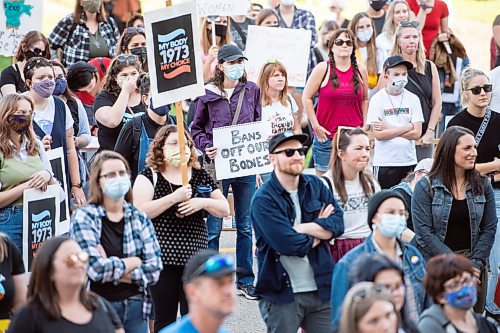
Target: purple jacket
x,y
213,111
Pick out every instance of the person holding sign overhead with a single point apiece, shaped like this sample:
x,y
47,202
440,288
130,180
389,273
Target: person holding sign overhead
x,y
222,37
230,100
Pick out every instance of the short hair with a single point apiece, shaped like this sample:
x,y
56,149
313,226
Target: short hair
x,y
369,265
33,64
442,268
144,84
79,75
136,17
255,4
28,40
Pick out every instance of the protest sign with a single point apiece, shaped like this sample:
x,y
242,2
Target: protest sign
x,y
40,216
16,19
56,158
174,54
242,150
222,7
289,46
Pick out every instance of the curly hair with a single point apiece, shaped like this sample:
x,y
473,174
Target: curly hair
x,y
356,77
110,84
155,158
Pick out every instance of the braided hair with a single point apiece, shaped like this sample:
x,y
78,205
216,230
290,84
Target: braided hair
x,y
356,77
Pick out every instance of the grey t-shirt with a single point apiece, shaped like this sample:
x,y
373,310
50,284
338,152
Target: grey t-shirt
x,y
241,39
298,268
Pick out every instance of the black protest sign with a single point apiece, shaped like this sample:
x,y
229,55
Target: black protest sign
x,y
56,158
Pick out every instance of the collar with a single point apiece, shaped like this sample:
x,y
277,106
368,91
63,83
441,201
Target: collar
x,y
127,207
399,251
303,182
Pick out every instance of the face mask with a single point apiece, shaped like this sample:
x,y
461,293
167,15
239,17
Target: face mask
x,y
32,54
116,188
173,156
464,298
60,88
398,83
392,226
287,3
364,36
377,5
44,88
161,110
19,123
91,6
220,30
140,52
234,72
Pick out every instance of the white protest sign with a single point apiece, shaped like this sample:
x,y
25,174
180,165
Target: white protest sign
x,y
289,46
222,7
242,150
174,54
56,158
40,220
18,17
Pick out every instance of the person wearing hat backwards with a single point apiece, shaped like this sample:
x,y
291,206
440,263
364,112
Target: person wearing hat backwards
x,y
230,100
209,286
387,218
396,117
294,216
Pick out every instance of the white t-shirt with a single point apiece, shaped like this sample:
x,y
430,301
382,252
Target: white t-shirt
x,y
396,111
45,118
384,43
380,57
280,116
356,207
495,94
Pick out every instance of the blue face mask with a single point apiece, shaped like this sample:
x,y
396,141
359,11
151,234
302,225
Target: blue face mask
x,y
60,88
161,111
234,72
116,188
464,298
392,226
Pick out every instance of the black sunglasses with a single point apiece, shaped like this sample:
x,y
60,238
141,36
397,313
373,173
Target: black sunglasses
x,y
290,152
340,42
477,90
126,57
133,30
406,24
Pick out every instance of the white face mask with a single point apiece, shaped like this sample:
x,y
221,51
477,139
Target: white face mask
x,y
364,36
398,83
287,3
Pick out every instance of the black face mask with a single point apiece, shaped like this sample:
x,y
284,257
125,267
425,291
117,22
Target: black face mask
x,y
220,30
32,54
108,7
140,52
377,5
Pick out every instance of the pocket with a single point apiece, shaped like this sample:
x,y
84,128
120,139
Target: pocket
x,y
5,214
313,206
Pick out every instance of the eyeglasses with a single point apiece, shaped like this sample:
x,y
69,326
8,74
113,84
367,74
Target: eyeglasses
x,y
346,129
477,90
407,24
290,152
340,42
214,264
133,30
126,57
73,259
402,213
113,175
455,284
363,294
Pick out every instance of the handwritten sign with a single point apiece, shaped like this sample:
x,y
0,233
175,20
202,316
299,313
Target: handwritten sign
x,y
222,7
174,58
290,46
242,150
17,17
56,158
40,216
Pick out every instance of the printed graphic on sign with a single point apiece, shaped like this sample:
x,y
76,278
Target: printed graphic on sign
x,y
13,10
56,158
222,7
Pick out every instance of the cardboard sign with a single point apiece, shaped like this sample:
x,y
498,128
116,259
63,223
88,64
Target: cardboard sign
x,y
17,17
40,220
242,150
222,7
56,158
289,46
174,54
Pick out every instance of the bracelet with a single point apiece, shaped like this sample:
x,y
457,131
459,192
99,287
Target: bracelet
x,y
79,185
50,174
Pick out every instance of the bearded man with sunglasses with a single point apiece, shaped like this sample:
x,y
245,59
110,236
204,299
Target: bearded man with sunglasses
x,y
294,216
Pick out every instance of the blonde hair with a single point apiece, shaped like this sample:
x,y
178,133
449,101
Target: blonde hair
x,y
396,50
266,72
389,27
467,74
206,36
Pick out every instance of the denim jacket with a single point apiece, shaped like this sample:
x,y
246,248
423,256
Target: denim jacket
x,y
273,216
413,269
431,210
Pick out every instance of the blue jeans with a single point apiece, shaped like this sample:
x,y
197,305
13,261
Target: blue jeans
x,y
321,154
494,262
11,224
243,190
130,313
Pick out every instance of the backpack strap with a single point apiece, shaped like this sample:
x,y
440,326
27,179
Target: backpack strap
x,y
328,182
238,107
136,132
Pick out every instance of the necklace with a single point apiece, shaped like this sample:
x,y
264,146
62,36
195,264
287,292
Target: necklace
x,y
400,102
93,37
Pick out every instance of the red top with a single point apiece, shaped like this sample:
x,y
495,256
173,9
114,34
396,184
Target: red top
x,y
432,21
340,106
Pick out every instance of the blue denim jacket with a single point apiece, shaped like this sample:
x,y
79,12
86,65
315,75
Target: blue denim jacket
x,y
413,269
273,215
431,210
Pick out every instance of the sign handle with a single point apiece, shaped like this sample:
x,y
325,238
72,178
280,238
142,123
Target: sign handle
x,y
212,19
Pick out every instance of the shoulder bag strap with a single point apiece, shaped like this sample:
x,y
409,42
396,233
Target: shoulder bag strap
x,y
239,31
420,91
328,182
155,178
482,128
238,107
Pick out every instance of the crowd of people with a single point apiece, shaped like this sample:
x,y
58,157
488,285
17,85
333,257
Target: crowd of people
x,y
394,230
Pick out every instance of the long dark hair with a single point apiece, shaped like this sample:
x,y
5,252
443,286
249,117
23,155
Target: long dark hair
x,y
356,76
218,78
110,84
444,161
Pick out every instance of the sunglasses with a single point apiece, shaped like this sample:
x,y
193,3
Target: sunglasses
x,y
340,42
407,24
214,264
290,152
133,30
73,259
364,294
126,57
477,90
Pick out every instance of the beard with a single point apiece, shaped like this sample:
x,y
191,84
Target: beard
x,y
292,169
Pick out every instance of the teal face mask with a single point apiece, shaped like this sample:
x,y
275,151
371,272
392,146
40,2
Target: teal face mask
x,y
234,72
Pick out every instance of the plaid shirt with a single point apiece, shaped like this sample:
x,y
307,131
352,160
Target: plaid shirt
x,y
303,19
76,47
139,240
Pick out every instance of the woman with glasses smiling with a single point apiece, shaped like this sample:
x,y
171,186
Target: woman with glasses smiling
x,y
451,282
124,254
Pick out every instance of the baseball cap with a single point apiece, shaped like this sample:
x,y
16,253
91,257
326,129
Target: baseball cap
x,y
283,137
395,61
425,164
208,263
230,52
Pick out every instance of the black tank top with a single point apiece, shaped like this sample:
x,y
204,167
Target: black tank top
x,y
423,91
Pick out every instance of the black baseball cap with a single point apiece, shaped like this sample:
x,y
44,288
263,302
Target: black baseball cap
x,y
285,136
230,52
208,263
395,61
